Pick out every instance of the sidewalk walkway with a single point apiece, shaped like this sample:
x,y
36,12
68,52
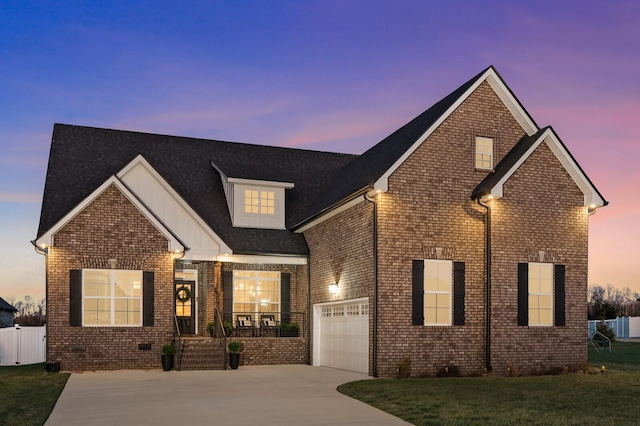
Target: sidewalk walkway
x,y
266,395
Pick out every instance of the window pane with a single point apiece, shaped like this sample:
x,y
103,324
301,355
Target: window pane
x,y
127,283
545,317
430,284
430,300
442,316
443,301
430,316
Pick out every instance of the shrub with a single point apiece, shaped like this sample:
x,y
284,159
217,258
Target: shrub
x,y
403,369
603,328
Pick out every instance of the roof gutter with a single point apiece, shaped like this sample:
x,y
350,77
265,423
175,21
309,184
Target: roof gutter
x,y
330,211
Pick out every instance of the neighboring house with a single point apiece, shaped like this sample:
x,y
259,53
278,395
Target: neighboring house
x,y
7,314
458,241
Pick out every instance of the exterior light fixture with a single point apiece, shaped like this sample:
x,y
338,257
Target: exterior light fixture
x,y
333,288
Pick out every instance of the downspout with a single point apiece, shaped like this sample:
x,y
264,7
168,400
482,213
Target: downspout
x,y
488,278
375,285
45,252
308,325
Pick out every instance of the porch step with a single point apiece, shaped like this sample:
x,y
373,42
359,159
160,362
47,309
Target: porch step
x,y
201,353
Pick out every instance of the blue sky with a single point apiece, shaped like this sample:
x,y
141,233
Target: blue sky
x,y
330,75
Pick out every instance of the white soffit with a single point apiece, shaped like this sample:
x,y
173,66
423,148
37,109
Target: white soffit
x,y
174,244
266,260
503,92
591,196
170,207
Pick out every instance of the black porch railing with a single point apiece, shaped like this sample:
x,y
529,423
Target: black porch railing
x,y
265,324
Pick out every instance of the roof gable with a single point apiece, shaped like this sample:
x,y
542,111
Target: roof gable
x,y
371,170
492,185
147,184
47,238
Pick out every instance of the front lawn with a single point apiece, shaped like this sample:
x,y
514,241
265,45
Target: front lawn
x,y
598,398
28,394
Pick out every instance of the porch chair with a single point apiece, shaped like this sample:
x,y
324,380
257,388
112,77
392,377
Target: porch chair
x,y
244,325
269,326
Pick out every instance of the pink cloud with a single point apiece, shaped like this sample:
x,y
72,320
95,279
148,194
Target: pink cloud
x,y
17,197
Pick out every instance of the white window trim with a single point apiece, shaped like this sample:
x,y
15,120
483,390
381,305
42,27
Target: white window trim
x,y
490,154
112,298
256,302
547,294
450,292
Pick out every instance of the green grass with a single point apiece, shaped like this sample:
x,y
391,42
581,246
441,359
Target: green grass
x,y
597,398
28,394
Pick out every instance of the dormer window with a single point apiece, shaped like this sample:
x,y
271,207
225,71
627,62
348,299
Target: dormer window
x,y
259,202
484,153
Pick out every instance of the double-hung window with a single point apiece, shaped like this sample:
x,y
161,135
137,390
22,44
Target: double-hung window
x,y
541,294
437,292
484,153
111,297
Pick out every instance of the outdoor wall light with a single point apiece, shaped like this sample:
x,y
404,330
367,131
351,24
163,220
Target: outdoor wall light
x,y
333,288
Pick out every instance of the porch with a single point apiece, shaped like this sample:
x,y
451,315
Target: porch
x,y
261,343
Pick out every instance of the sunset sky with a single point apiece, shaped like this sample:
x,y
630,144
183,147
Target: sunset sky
x,y
326,75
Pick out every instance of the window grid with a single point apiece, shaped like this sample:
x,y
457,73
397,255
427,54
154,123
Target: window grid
x,y
259,202
437,292
256,292
111,297
484,153
540,294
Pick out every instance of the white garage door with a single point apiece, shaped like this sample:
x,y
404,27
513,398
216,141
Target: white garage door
x,y
341,335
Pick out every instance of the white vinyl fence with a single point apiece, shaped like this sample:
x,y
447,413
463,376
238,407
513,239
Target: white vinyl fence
x,y
22,345
623,327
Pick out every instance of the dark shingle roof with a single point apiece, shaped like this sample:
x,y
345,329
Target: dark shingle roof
x,y
82,158
365,170
4,306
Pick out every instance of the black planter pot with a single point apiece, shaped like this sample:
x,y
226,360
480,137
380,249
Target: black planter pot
x,y
52,367
234,360
167,362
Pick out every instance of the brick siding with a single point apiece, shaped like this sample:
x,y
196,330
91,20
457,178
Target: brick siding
x,y
108,228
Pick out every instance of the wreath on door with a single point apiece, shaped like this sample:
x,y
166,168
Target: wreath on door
x,y
183,294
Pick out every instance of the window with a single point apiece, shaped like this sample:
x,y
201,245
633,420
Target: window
x,y
540,294
437,292
111,297
484,153
259,202
256,292
432,288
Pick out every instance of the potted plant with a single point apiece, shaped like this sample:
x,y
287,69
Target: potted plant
x,y
228,328
167,357
289,329
211,328
234,356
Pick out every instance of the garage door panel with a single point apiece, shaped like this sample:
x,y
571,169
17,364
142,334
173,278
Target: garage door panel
x,y
344,336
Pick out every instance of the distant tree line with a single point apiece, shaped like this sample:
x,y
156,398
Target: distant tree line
x,y
610,302
31,312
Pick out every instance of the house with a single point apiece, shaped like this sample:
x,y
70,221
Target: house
x,y
7,313
456,244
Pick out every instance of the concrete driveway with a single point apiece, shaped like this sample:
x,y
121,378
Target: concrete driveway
x,y
264,395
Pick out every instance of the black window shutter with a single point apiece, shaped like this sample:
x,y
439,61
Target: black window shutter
x,y
523,294
417,291
75,297
559,302
285,296
458,293
148,298
227,296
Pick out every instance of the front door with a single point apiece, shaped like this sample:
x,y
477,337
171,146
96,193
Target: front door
x,y
185,306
